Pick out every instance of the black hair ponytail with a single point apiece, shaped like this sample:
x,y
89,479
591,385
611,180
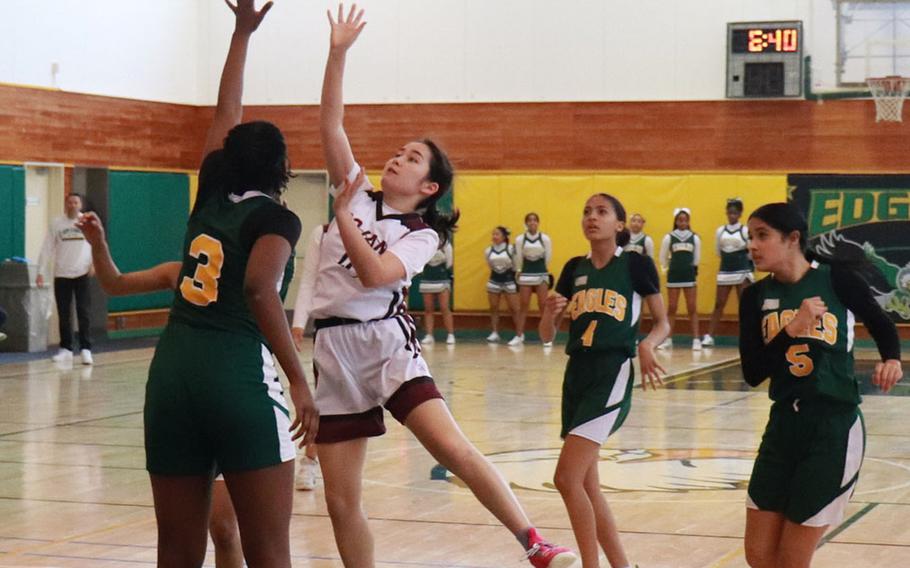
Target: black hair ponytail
x,y
441,173
505,232
256,157
736,204
443,224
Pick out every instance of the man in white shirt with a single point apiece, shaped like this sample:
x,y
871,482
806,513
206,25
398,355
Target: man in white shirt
x,y
71,254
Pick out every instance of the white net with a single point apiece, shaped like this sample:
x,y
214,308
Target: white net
x,y
889,93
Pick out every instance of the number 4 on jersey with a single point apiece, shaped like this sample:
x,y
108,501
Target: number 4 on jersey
x,y
587,338
202,288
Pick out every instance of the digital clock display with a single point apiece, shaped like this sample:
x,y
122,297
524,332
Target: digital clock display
x,y
765,40
764,59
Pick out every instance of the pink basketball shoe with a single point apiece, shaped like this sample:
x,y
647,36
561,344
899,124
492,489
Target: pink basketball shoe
x,y
542,554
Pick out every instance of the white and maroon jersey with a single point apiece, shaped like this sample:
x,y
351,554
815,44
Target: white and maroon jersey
x,y
339,292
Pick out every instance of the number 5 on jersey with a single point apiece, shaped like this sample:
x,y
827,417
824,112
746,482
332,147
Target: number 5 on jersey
x,y
202,288
801,364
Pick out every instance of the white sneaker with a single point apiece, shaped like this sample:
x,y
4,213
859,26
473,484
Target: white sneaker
x,y
450,339
547,344
696,345
427,340
707,341
666,344
2,336
305,480
63,356
493,337
517,340
86,357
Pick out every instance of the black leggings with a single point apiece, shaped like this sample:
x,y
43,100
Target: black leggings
x,y
64,290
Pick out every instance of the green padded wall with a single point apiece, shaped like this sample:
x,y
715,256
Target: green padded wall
x,y
147,215
12,212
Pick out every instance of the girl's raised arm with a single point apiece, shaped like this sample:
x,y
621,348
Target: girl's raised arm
x,y
339,158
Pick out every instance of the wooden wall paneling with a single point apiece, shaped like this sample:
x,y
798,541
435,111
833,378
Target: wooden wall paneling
x,y
767,135
53,126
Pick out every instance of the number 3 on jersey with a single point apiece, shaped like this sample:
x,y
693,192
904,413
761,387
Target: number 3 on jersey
x,y
202,288
801,364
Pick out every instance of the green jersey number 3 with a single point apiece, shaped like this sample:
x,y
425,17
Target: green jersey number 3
x,y
202,288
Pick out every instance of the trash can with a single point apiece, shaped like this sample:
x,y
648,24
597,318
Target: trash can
x,y
26,305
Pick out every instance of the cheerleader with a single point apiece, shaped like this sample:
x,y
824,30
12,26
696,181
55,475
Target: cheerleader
x,y
500,258
680,253
638,241
732,242
436,286
533,251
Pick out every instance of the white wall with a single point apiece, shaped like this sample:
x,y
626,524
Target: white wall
x,y
143,49
507,50
410,51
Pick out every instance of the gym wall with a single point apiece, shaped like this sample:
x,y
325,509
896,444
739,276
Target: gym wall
x,y
486,201
574,50
12,211
147,214
779,136
688,153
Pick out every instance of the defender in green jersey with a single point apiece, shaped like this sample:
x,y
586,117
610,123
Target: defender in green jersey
x,y
796,328
213,399
213,337
602,295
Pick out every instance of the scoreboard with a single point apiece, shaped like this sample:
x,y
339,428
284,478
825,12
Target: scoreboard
x,y
764,59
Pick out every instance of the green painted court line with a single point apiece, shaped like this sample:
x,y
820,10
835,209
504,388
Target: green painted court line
x,y
846,524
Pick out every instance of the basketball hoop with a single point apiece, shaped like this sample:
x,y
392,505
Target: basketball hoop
x,y
889,93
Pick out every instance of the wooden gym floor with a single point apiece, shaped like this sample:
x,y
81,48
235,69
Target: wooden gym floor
x,y
74,492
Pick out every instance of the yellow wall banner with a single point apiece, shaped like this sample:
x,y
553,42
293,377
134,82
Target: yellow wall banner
x,y
488,200
194,188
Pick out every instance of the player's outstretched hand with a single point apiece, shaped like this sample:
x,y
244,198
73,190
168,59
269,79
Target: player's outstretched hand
x,y
91,227
247,17
345,30
887,374
306,416
650,368
343,198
